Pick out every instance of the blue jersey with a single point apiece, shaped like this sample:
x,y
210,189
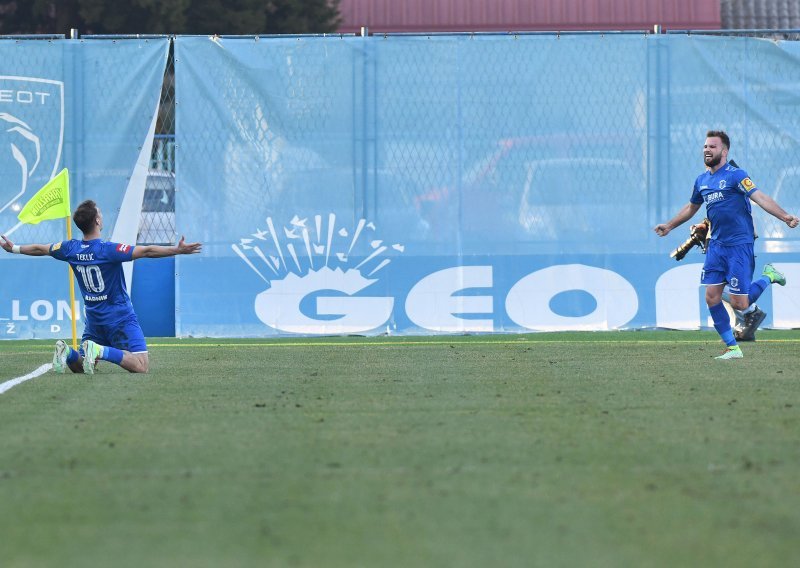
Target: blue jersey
x,y
726,194
97,264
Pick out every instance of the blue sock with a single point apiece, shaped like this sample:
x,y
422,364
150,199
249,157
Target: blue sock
x,y
112,355
73,356
722,323
757,288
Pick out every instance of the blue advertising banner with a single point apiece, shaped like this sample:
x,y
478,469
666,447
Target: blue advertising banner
x,y
85,105
465,183
306,277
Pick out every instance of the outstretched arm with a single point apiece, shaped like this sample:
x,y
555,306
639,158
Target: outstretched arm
x,y
686,213
30,250
158,251
771,206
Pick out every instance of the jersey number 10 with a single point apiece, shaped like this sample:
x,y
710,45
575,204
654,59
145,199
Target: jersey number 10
x,y
92,278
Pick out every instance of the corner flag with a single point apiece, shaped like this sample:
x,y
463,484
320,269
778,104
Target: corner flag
x,y
50,202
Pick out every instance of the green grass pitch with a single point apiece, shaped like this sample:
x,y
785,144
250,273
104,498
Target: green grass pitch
x,y
568,449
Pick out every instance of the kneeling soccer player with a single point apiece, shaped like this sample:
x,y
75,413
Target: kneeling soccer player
x,y
112,332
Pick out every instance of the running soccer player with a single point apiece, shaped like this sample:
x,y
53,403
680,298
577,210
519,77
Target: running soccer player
x,y
112,331
727,190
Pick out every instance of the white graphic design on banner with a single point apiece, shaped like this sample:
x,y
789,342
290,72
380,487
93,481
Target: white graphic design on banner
x,y
312,280
528,300
432,303
31,139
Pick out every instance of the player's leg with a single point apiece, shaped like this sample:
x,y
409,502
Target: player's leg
x,y
126,347
726,297
133,362
719,315
131,340
738,273
768,276
136,362
714,278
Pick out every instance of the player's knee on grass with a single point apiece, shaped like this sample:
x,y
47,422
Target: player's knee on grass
x,y
136,362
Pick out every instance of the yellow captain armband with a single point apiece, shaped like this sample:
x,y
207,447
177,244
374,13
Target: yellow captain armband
x,y
748,185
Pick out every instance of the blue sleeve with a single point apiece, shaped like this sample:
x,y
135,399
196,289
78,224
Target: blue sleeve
x,y
744,183
118,252
58,250
697,197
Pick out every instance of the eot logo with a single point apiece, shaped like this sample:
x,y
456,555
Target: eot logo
x,y
31,139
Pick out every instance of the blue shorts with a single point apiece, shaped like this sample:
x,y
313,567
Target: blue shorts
x,y
731,264
126,335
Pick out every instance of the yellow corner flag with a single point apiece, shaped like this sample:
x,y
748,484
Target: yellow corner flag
x,y
50,202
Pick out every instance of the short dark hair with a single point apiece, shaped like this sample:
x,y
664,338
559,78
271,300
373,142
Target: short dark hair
x,y
84,215
721,135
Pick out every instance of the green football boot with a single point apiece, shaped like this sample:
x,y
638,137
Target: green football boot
x,y
91,353
60,357
732,352
774,276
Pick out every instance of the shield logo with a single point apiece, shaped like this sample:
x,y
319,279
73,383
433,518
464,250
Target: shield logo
x,y
31,139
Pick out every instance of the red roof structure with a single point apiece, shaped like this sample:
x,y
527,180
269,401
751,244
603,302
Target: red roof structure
x,y
388,16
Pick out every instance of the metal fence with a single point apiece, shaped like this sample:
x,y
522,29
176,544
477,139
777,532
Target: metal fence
x,y
419,166
157,225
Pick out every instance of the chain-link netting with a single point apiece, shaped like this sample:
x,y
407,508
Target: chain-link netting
x,y
748,87
458,167
157,224
338,163
520,142
301,155
459,143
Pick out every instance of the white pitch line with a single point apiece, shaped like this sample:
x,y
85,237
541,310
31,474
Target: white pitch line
x,y
8,385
